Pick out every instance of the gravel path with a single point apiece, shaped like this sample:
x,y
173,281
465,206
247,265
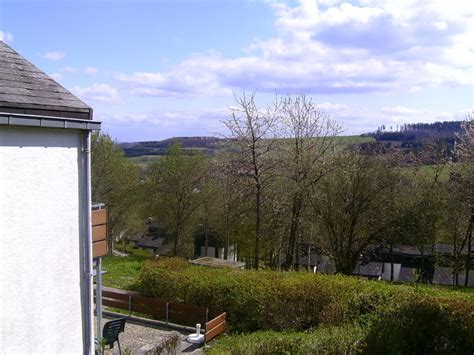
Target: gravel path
x,y
138,335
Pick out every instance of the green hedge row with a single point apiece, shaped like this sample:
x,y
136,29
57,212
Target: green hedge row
x,y
426,319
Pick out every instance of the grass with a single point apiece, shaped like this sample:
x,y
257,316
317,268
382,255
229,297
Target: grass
x,y
124,272
144,160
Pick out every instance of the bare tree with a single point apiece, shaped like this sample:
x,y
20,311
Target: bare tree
x,y
309,135
253,131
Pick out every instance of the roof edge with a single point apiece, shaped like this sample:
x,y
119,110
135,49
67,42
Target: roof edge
x,y
20,120
40,110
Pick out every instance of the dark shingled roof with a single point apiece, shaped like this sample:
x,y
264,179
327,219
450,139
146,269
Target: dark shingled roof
x,y
150,242
24,89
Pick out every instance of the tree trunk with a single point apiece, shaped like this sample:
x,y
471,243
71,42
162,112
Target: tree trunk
x,y
226,233
469,245
206,239
309,258
257,227
206,236
391,262
175,243
422,272
295,215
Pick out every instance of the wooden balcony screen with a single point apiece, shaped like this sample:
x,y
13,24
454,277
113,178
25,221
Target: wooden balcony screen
x,y
99,232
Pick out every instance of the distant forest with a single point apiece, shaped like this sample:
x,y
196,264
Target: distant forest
x,y
406,138
414,138
207,145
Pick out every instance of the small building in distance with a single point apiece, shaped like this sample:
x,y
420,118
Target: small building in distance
x,y
218,263
45,213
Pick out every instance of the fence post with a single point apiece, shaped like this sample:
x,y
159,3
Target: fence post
x,y
167,314
207,315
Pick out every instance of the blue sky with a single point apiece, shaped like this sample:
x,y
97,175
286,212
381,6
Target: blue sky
x,y
157,69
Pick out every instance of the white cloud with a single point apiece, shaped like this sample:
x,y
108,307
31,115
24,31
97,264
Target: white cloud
x,y
70,69
97,92
334,47
56,76
359,119
90,70
75,70
6,37
54,55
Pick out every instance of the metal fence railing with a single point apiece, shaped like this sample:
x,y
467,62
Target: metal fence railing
x,y
168,312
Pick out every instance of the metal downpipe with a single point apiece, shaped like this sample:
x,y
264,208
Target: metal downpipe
x,y
89,347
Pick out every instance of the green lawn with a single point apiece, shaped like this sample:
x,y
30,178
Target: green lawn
x,y
123,272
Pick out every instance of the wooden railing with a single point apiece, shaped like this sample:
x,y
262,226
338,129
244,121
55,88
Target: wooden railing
x,y
169,312
215,326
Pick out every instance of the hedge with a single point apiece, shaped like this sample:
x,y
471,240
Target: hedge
x,y
395,317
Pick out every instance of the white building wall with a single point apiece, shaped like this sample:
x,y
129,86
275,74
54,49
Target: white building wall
x,y
40,230
387,267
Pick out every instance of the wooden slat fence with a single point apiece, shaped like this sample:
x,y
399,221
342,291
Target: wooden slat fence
x,y
216,326
169,312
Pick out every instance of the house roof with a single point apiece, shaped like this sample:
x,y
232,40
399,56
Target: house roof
x,y
444,276
149,241
26,90
371,269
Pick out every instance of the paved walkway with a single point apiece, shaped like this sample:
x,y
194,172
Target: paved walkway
x,y
138,335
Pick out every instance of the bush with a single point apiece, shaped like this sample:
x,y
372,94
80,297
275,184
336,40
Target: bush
x,y
424,326
253,300
348,339
395,317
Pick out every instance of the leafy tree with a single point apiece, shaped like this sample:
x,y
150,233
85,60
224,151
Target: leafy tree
x,y
115,183
175,187
462,180
229,194
348,205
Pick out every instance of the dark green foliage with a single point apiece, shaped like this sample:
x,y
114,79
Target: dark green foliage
x,y
424,326
388,318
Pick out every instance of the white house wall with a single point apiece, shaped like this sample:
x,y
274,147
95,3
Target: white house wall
x,y
40,223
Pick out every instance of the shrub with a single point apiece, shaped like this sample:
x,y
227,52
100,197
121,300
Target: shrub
x,y
396,318
424,326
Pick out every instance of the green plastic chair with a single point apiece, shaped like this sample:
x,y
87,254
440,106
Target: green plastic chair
x,y
111,332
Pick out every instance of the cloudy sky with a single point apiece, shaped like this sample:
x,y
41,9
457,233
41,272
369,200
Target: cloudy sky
x,y
163,68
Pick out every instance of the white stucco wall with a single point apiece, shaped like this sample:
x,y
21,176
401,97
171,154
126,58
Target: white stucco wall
x,y
40,223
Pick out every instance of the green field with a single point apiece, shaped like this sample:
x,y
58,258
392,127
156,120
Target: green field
x,y
144,160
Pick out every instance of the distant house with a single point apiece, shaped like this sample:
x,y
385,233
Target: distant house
x,y
153,239
218,263
45,213
407,262
214,247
